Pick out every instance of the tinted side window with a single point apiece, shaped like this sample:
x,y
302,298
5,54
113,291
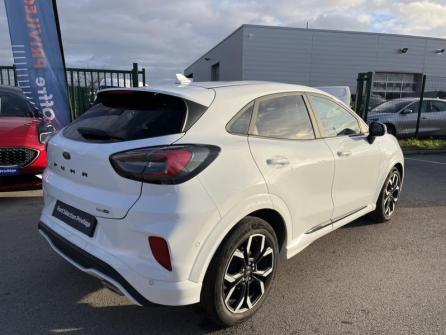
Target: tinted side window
x,y
438,106
413,107
240,123
283,117
335,120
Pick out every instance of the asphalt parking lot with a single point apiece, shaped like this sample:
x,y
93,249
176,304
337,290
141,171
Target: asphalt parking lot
x,y
361,279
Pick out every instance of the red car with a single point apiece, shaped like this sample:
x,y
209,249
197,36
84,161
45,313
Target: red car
x,y
23,134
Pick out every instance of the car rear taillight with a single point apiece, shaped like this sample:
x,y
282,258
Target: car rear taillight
x,y
160,251
164,165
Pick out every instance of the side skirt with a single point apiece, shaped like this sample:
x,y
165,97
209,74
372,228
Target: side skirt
x,y
317,232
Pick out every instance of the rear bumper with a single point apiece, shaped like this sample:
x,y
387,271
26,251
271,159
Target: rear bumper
x,y
109,268
89,263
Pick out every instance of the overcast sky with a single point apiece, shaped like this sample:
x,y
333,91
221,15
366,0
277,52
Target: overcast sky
x,y
166,36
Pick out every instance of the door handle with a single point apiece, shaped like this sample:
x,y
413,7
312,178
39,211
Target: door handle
x,y
424,118
344,153
278,161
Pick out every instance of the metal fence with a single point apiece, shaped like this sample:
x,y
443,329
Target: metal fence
x,y
84,83
411,105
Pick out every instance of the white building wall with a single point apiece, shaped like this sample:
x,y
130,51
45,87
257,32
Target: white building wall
x,y
317,57
228,53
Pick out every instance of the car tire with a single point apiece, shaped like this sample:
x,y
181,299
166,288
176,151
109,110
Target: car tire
x,y
241,272
388,197
391,129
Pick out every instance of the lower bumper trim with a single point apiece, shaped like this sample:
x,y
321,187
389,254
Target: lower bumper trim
x,y
88,261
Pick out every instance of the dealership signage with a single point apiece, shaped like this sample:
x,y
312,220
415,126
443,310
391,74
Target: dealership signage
x,y
38,57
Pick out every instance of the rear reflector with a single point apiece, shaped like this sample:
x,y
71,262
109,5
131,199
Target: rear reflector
x,y
160,251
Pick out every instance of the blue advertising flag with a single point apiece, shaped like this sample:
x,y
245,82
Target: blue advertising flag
x,y
38,57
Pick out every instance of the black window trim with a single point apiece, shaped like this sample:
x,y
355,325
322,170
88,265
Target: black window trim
x,y
363,128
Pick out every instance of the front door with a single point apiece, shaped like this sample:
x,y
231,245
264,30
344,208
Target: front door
x,y
407,118
357,162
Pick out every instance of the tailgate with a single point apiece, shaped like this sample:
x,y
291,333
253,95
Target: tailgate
x,y
80,175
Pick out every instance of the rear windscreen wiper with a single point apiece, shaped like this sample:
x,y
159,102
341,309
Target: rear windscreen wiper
x,y
94,133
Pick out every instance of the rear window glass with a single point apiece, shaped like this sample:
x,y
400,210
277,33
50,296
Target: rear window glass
x,y
130,115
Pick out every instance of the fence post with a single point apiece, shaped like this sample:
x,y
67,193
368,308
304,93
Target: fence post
x,y
144,76
369,87
14,74
135,81
420,107
359,93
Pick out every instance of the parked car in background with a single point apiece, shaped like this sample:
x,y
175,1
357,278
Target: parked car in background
x,y
23,134
176,195
376,100
400,116
341,92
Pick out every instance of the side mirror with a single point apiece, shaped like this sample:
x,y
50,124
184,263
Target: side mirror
x,y
406,111
376,129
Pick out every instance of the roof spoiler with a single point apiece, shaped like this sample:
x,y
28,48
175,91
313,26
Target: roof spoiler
x,y
182,80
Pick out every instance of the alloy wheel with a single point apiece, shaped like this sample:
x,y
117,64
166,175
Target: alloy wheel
x,y
248,273
391,193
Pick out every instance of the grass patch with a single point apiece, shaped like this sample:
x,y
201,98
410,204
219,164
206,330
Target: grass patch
x,y
429,143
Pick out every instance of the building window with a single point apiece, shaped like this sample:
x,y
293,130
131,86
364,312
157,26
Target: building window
x,y
396,85
215,72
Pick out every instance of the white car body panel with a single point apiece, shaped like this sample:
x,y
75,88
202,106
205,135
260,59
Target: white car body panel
x,y
101,187
357,169
301,174
314,188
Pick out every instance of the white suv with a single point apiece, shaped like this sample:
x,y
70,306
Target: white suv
x,y
191,193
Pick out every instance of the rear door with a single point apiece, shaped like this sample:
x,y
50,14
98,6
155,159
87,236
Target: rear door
x,y
357,162
297,167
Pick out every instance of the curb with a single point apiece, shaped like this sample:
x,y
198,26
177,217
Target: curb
x,y
409,152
